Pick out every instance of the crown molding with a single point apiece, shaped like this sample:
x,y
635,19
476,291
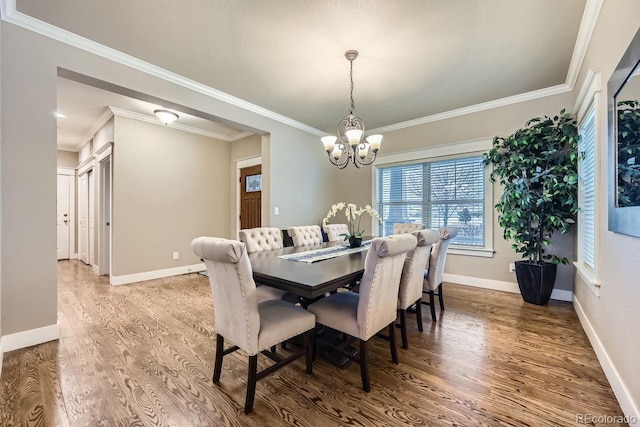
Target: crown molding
x,y
11,15
541,93
587,25
154,120
102,120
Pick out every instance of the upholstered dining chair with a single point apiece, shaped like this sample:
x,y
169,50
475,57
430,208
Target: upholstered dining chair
x,y
305,235
252,326
401,228
434,274
362,315
411,280
265,239
334,231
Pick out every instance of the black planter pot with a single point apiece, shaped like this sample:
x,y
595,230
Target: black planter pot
x,y
355,242
535,281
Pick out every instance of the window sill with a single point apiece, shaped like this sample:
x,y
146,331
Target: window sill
x,y
479,252
589,277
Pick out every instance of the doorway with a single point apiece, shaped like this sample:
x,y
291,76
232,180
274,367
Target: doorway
x,y
105,213
65,225
251,197
86,213
253,215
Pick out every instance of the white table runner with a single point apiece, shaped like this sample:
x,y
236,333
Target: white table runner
x,y
325,253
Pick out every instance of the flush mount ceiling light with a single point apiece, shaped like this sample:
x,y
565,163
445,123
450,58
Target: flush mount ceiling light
x,y
166,117
349,146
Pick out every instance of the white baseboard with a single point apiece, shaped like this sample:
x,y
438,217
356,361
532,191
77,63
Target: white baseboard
x,y
498,285
31,337
629,407
157,274
96,269
562,295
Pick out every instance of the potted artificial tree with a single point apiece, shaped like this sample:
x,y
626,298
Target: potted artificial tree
x,y
537,166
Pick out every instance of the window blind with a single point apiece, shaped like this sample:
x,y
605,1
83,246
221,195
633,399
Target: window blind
x,y
587,189
445,193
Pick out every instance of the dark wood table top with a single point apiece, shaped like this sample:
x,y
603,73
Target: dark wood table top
x,y
308,280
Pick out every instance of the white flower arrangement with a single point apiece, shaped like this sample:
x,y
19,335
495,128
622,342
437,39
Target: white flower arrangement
x,y
352,213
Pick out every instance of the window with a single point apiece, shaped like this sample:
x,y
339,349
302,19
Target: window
x,y
587,113
587,190
437,194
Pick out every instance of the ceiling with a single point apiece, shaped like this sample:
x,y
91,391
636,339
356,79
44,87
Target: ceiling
x,y
418,58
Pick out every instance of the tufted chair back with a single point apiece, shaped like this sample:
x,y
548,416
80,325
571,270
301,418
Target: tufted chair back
x,y
234,293
261,238
305,235
401,228
434,276
334,231
413,269
380,283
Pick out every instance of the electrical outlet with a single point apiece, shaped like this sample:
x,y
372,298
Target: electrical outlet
x,y
276,211
512,267
176,255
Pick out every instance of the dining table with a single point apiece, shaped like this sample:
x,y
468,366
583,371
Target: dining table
x,y
309,279
304,272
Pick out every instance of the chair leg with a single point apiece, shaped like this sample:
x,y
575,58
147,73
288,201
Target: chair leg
x,y
419,314
217,370
392,342
403,327
309,346
440,297
364,366
432,305
251,383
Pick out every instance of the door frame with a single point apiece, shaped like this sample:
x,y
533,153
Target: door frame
x,y
73,254
241,164
105,206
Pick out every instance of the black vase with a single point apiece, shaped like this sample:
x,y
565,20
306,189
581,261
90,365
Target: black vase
x,y
355,242
535,281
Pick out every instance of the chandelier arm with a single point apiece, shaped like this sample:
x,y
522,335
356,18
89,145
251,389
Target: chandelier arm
x,y
370,162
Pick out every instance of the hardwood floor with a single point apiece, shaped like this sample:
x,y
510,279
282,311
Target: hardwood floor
x,y
142,355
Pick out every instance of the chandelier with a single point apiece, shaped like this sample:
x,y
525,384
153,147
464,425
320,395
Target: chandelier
x,y
349,146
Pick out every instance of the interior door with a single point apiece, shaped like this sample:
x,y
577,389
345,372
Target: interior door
x,y
91,249
251,197
104,226
83,218
63,216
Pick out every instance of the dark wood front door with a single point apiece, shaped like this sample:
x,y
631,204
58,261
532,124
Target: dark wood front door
x,y
251,197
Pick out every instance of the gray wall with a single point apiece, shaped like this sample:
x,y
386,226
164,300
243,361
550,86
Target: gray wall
x,y
67,159
478,126
27,200
169,187
614,315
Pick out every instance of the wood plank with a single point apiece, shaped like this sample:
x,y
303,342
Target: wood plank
x,y
142,355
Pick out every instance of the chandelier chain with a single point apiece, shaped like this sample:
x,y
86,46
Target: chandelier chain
x,y
351,77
